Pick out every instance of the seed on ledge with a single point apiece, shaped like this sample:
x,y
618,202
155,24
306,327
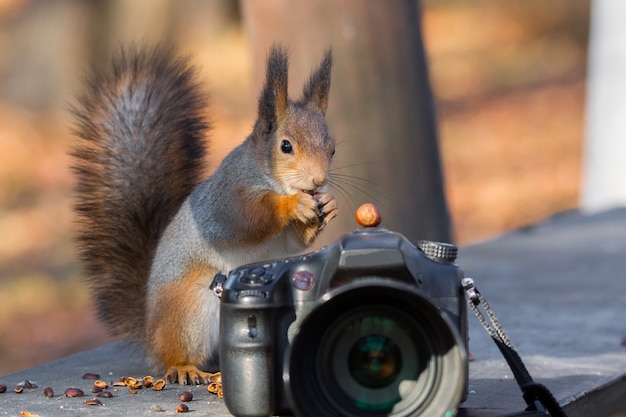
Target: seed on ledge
x,y
104,394
91,376
93,401
185,396
48,392
3,388
73,392
182,408
19,389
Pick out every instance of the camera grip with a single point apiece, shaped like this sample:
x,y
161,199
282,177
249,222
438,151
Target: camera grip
x,y
246,363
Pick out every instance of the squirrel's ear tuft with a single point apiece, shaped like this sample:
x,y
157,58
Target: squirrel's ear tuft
x,y
274,100
317,88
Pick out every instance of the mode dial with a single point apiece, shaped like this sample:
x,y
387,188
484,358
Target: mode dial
x,y
438,251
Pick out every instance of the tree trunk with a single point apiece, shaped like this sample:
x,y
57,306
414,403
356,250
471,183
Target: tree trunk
x,y
381,108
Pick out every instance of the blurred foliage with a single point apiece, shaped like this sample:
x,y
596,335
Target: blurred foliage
x,y
508,77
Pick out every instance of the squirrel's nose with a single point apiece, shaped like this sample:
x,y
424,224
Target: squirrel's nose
x,y
319,181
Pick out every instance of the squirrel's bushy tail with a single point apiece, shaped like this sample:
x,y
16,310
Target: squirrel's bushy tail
x,y
142,129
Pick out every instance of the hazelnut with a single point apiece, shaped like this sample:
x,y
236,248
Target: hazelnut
x,y
368,215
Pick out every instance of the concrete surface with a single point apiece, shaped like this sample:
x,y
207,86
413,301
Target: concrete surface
x,y
558,288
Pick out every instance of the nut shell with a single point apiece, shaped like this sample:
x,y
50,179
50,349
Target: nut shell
x,y
158,385
130,381
147,381
100,384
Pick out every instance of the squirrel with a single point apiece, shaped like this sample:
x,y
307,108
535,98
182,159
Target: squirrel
x,y
152,232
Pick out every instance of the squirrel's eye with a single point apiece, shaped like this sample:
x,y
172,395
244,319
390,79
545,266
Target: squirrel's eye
x,y
333,154
286,147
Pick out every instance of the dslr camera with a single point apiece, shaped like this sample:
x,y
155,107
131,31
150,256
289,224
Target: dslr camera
x,y
370,325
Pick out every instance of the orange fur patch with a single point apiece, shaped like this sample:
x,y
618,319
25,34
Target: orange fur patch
x,y
177,307
266,216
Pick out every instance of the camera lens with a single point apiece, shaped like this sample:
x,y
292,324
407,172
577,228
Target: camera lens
x,y
373,359
376,347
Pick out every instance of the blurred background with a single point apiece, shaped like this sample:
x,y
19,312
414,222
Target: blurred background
x,y
508,78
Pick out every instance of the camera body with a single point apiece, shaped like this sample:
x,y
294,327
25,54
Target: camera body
x,y
368,325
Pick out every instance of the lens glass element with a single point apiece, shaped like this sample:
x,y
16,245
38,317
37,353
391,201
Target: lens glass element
x,y
374,361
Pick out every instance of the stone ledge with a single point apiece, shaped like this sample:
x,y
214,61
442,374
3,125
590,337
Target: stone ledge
x,y
558,289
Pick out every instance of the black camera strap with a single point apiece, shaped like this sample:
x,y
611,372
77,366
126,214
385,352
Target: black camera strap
x,y
537,396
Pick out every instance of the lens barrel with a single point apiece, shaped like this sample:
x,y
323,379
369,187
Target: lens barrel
x,y
375,347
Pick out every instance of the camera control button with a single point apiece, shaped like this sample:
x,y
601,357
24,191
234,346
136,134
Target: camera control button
x,y
257,271
251,294
257,275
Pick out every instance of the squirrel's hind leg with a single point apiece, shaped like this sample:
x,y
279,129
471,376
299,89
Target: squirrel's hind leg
x,y
183,326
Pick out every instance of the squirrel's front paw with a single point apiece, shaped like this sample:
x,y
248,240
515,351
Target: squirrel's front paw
x,y
307,210
328,208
